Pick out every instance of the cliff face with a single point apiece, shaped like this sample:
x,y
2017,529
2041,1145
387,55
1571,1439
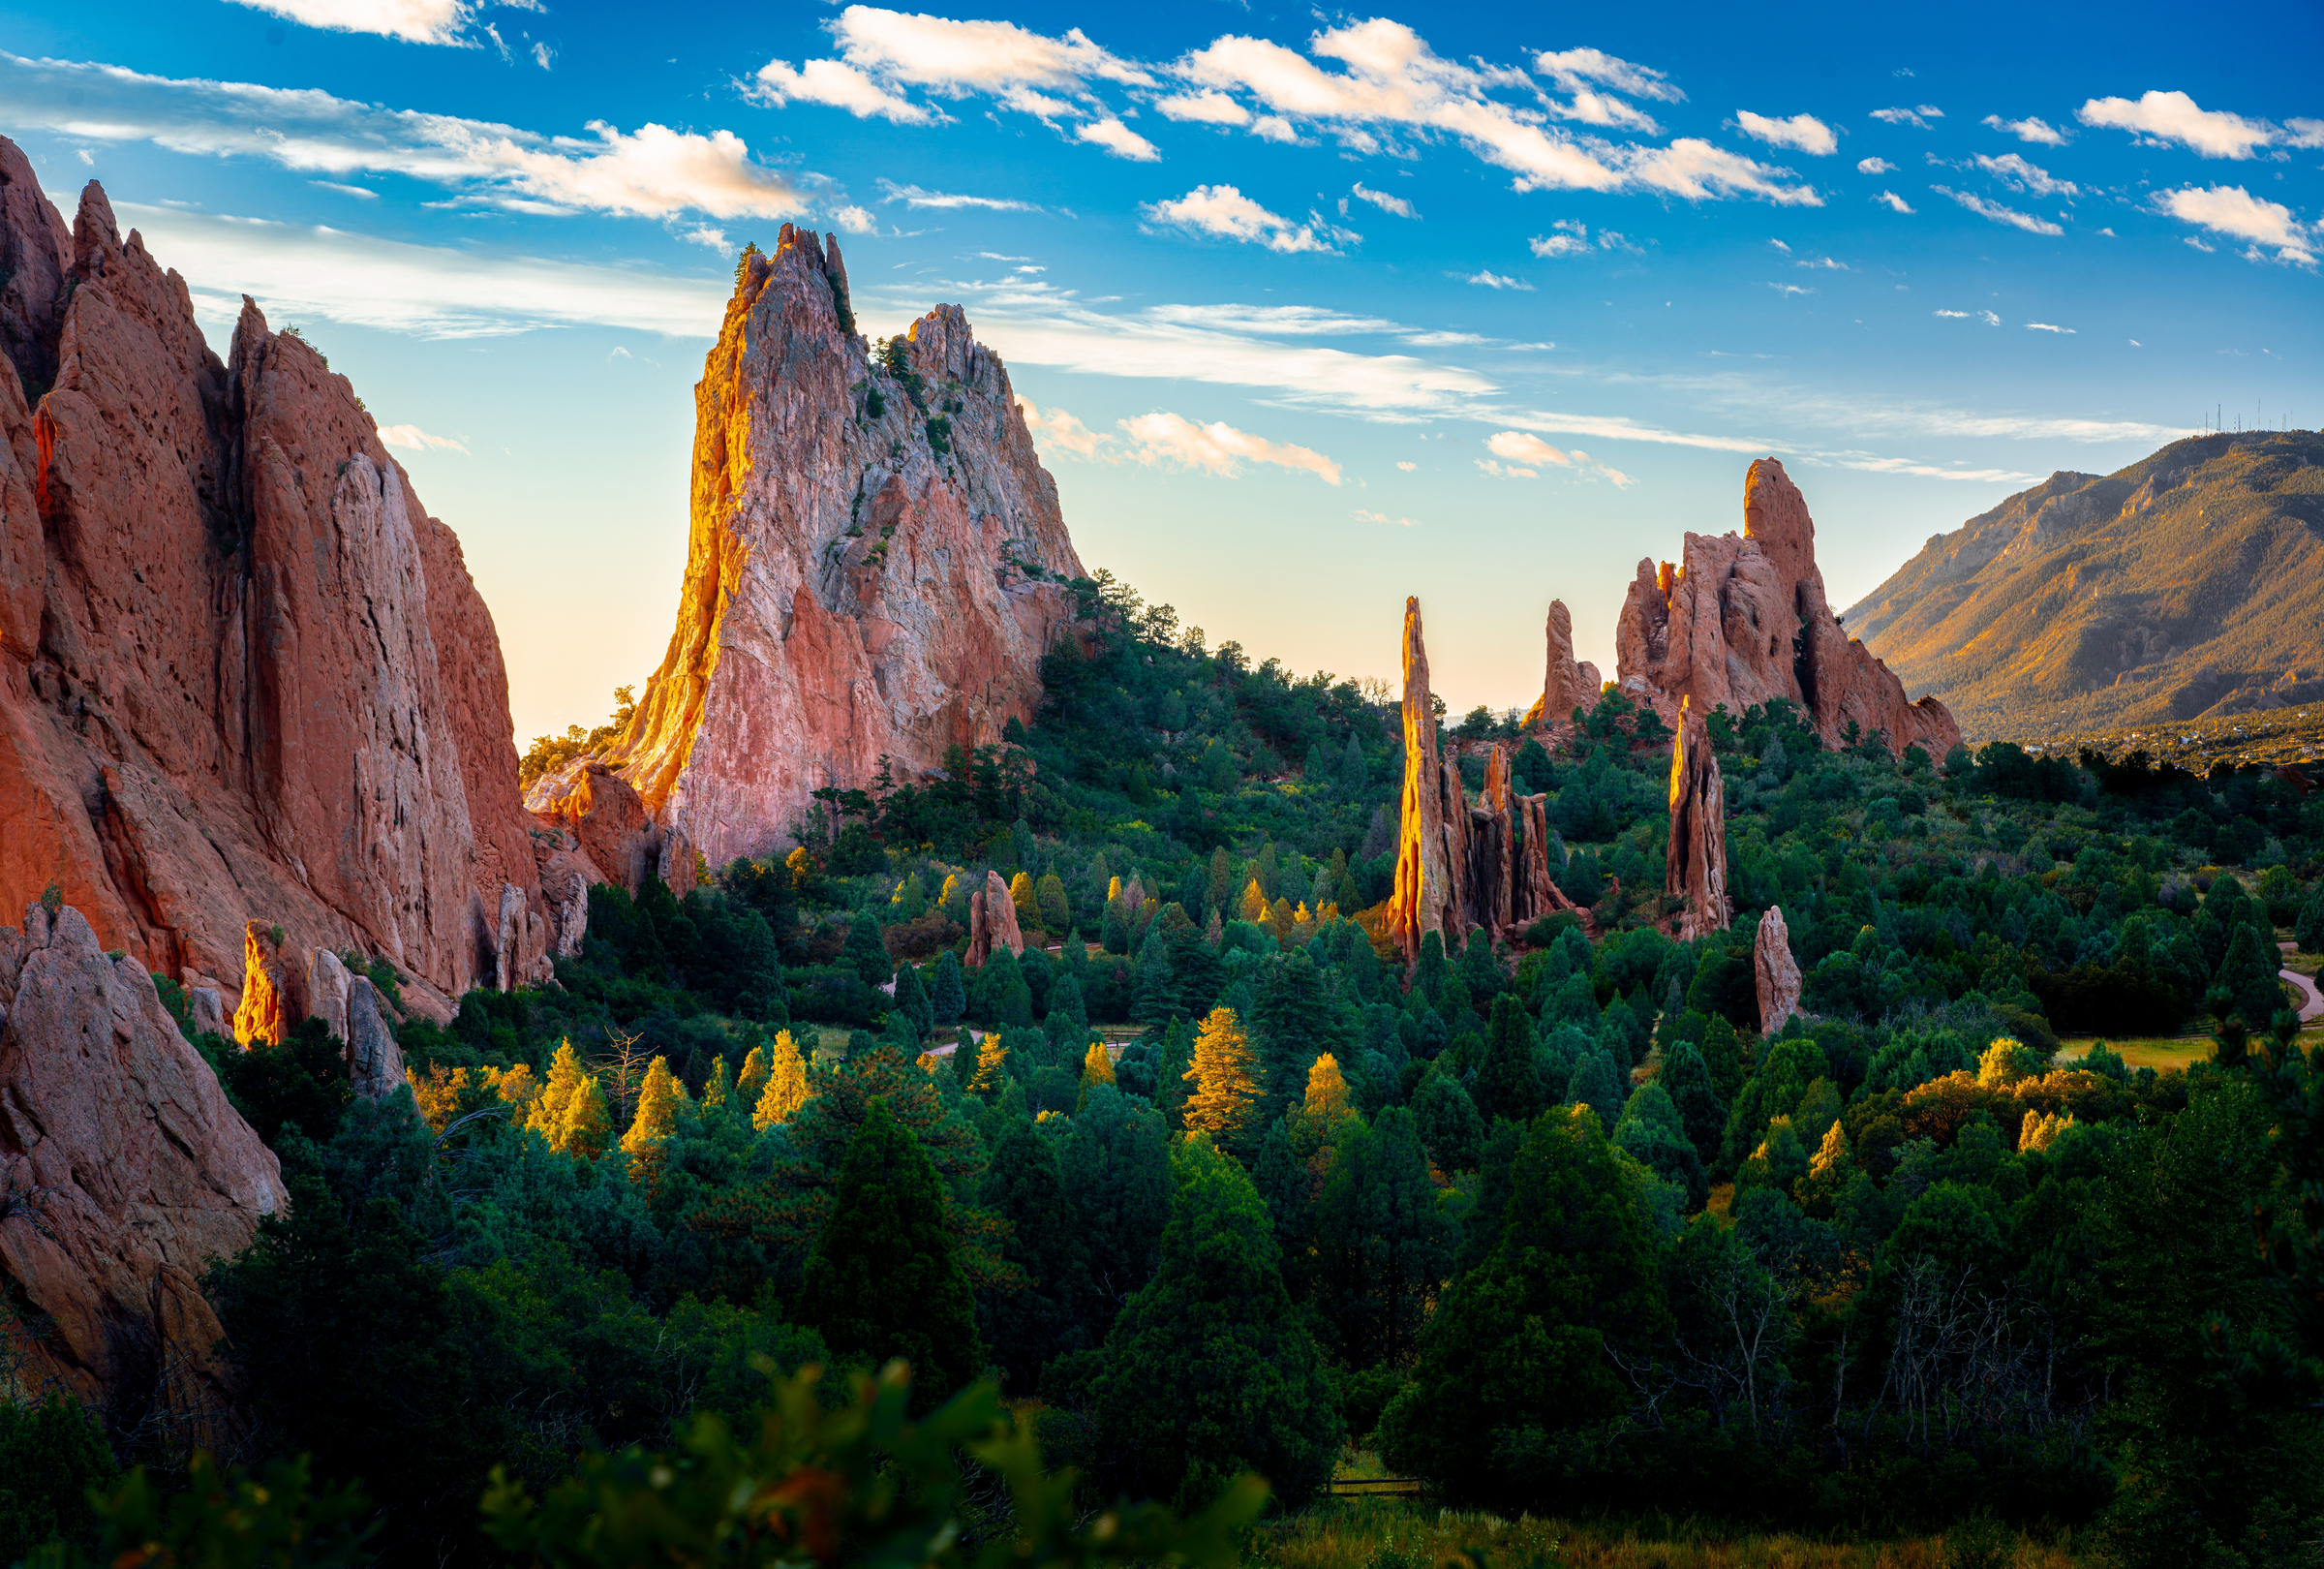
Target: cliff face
x,y
1743,619
2188,585
243,675
876,567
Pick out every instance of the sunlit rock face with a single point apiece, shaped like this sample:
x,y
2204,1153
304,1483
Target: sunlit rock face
x,y
874,570
132,1172
243,674
1568,683
1742,619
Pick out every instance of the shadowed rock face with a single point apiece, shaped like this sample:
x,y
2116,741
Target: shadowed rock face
x,y
1742,620
243,674
1697,872
1568,683
992,922
136,1170
1776,971
858,586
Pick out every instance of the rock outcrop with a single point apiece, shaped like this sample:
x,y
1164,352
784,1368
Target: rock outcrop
x,y
123,1173
1742,619
1777,971
1461,867
1570,683
876,565
243,674
608,823
1696,872
992,921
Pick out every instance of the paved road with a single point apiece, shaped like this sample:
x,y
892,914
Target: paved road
x,y
2313,1007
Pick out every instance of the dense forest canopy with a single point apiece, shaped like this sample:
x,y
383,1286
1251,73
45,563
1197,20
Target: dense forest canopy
x,y
1212,1182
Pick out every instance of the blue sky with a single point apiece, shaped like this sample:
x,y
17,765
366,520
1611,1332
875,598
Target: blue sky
x,y
1314,309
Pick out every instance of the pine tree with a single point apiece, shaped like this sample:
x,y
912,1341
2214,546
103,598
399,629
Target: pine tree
x,y
1068,1022
1383,1245
588,1125
1211,1371
1355,773
555,1099
948,996
1097,1067
992,1057
1172,1086
1026,900
882,1280
1326,1103
786,1085
718,1091
1296,1022
1113,933
1430,971
1508,1084
912,1000
1595,1085
1252,906
1226,1079
1156,1001
1222,880
1686,1080
1034,1322
1049,894
2249,973
866,952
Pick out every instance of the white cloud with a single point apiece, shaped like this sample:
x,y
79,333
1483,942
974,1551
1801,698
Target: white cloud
x,y
2044,326
1495,279
1571,239
1409,468
1274,128
1385,202
1789,289
1803,132
710,238
650,172
1999,213
310,273
1987,317
1118,139
415,22
1904,116
2200,246
2038,131
1927,471
1827,265
841,86
2168,117
2232,210
1505,472
1274,321
2304,133
1217,448
913,195
1520,447
956,58
1894,202
543,54
1573,69
1698,171
416,439
1875,166
333,185
2019,175
1364,515
1209,106
1226,213
1059,430
1781,246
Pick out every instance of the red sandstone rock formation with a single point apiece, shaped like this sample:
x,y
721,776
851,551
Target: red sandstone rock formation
x,y
1426,894
1743,620
243,675
1777,971
859,586
1569,684
137,1171
992,921
1696,872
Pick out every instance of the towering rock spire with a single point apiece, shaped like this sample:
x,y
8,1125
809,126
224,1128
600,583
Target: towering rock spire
x,y
1697,852
1425,898
1776,971
1569,684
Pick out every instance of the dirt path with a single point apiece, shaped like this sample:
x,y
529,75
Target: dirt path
x,y
2313,1007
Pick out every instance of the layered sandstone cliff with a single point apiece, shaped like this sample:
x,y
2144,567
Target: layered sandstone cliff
x,y
243,675
123,1173
1742,619
876,565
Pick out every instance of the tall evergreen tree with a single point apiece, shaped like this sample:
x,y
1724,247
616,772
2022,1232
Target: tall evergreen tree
x,y
1116,1166
1211,1371
882,1280
1447,1121
2249,974
1068,1021
948,994
1028,1323
1383,1245
867,949
1687,1079
1296,1022
1596,1084
1158,997
1172,1086
913,1001
1509,1084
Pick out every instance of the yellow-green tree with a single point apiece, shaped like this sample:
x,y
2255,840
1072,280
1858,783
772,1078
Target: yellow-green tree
x,y
587,1125
1252,906
1225,1081
1097,1066
1022,894
552,1116
786,1084
1050,894
752,1083
657,1120
717,1092
1326,1101
990,1054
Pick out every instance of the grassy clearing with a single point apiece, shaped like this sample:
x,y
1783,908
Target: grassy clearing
x,y
1382,1535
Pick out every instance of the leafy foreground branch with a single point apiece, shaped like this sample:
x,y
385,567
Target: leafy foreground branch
x,y
859,1483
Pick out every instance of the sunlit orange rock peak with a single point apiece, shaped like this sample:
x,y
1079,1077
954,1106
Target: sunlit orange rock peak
x,y
874,570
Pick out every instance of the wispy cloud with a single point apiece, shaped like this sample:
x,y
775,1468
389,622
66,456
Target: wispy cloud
x,y
1225,212
1802,131
913,195
1495,279
1383,201
2038,131
1215,449
1894,202
1999,213
2044,326
1058,431
1987,317
416,439
650,172
1875,166
2017,174
1118,139
1789,289
303,273
1364,514
414,21
1930,471
1920,117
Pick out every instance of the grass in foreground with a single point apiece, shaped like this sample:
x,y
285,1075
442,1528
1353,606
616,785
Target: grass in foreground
x,y
1380,1534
